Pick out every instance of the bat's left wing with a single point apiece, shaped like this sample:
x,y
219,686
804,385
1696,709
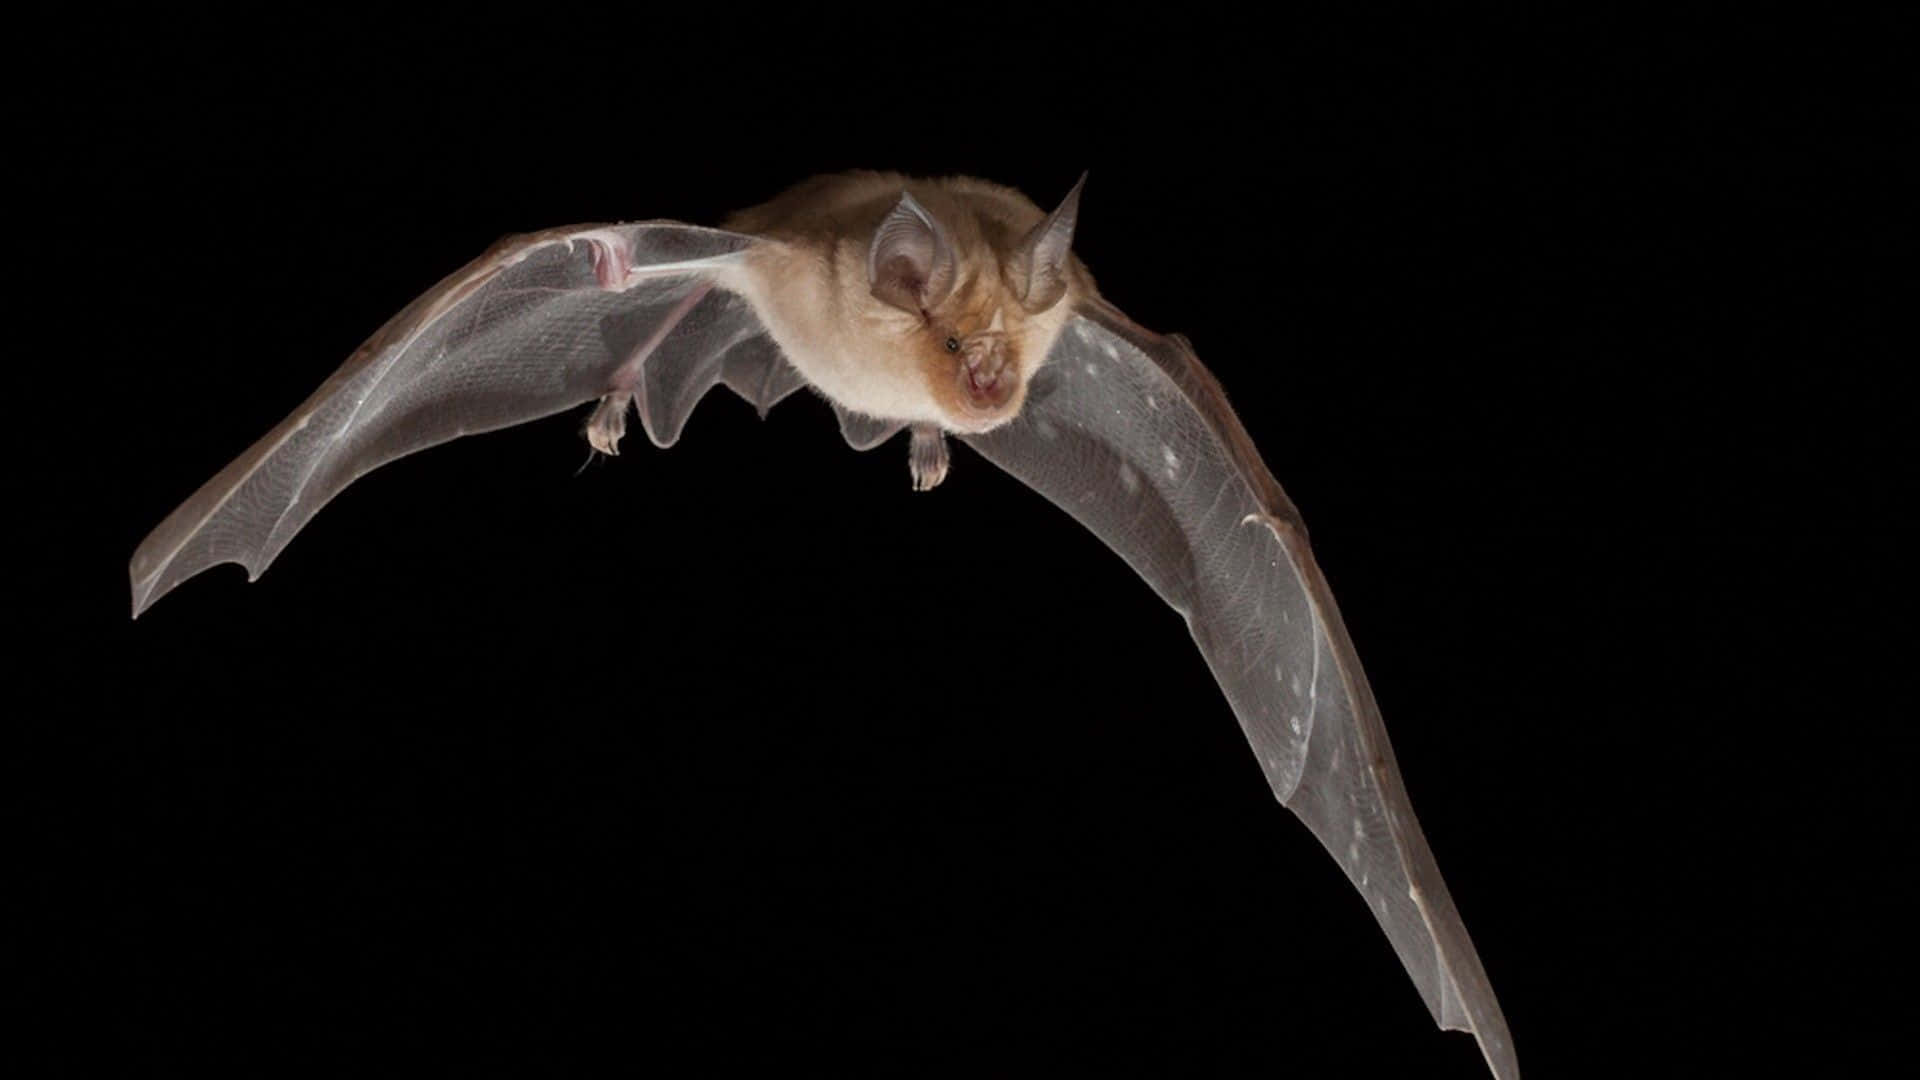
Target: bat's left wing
x,y
647,313
1126,431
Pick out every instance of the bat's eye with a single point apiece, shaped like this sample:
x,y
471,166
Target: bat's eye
x,y
953,344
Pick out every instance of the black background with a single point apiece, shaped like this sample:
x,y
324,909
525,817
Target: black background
x,y
719,757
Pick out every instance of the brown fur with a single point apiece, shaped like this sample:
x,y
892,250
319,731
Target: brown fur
x,y
815,271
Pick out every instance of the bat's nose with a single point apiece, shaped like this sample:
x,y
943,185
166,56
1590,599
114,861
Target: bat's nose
x,y
988,380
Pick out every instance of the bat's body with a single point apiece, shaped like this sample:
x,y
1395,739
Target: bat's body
x,y
865,353
950,307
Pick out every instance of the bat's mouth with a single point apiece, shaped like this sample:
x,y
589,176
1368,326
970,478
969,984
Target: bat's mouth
x,y
987,384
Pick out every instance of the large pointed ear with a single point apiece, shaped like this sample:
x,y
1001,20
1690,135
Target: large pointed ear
x,y
911,262
1037,271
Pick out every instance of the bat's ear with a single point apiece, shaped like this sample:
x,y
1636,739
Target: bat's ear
x,y
1037,272
911,262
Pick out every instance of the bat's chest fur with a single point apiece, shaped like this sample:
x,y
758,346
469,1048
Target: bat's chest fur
x,y
836,338
865,374
859,352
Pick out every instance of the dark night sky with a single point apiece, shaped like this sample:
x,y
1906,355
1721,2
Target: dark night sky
x,y
709,755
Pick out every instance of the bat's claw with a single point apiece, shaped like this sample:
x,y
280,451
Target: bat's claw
x,y
927,457
608,424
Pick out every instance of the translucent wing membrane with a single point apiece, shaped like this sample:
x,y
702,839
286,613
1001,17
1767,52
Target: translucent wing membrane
x,y
540,324
1122,428
1126,431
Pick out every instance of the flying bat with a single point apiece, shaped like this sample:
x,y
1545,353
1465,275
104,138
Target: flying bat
x,y
949,308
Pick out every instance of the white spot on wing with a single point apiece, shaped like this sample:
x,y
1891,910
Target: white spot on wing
x,y
1094,371
1313,680
1172,459
1129,479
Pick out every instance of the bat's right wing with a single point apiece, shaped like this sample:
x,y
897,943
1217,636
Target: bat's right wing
x,y
538,325
1126,431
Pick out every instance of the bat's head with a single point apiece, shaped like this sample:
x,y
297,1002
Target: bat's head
x,y
985,316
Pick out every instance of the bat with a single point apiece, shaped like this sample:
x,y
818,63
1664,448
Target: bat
x,y
952,309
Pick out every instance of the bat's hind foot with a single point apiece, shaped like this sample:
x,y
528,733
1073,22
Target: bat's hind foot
x,y
927,457
609,420
608,424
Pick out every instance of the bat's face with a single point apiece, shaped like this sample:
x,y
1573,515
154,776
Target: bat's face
x,y
960,309
972,350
